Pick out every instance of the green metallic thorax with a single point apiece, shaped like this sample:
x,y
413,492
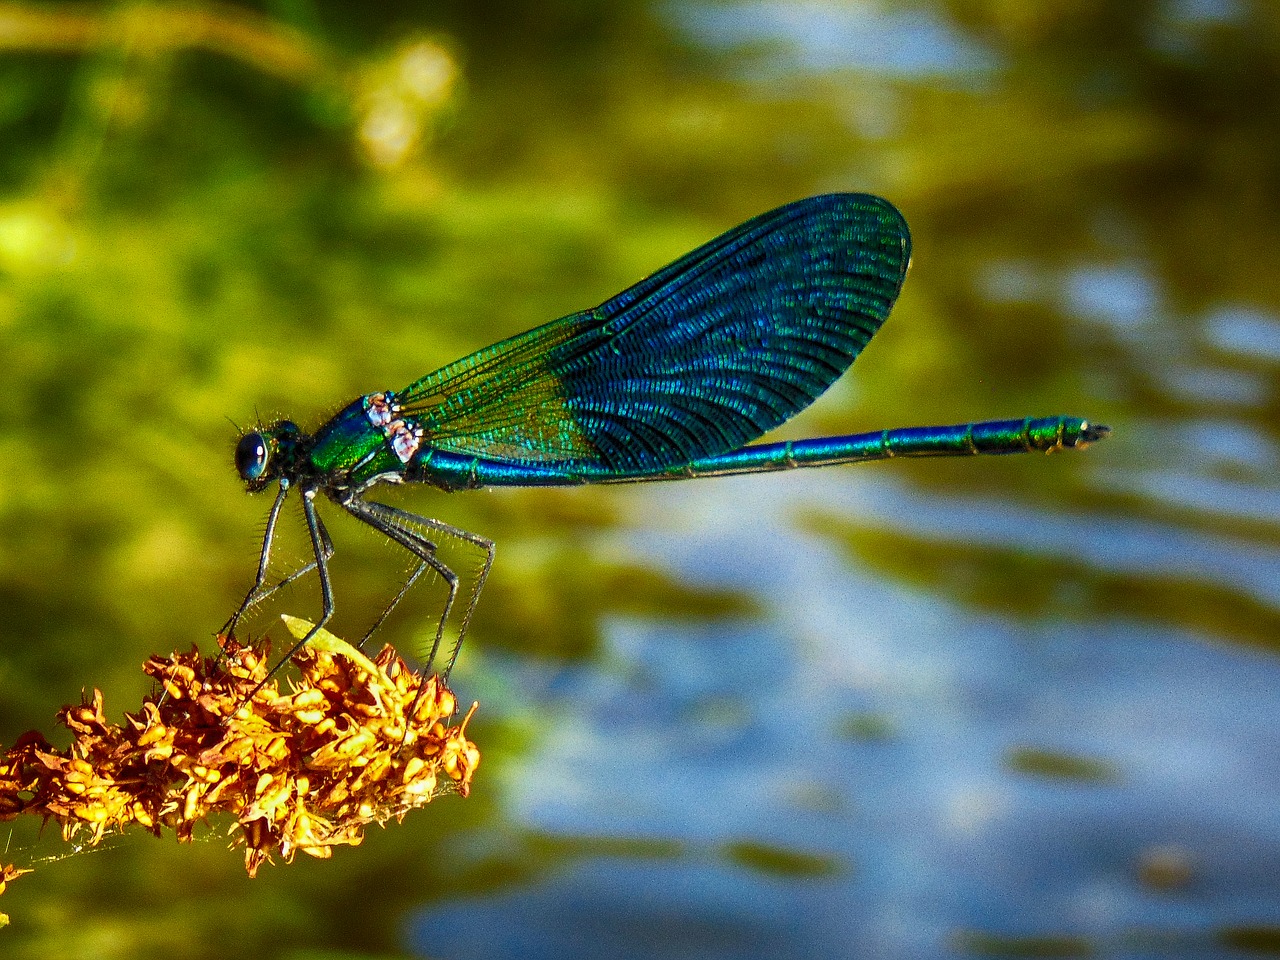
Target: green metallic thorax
x,y
349,445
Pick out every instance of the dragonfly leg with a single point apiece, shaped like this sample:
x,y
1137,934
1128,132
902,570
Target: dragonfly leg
x,y
413,578
384,517
420,547
322,546
264,560
298,574
255,593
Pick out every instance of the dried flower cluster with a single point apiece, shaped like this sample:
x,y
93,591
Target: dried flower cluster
x,y
353,741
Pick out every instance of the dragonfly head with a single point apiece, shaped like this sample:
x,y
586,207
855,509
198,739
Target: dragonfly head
x,y
264,455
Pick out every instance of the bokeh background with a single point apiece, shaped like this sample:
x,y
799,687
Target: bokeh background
x,y
972,708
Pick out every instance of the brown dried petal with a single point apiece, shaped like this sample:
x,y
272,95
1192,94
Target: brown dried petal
x,y
353,742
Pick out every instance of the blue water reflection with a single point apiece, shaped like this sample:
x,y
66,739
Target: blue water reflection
x,y
929,827
1245,331
819,36
1204,11
1210,385
1123,296
1214,497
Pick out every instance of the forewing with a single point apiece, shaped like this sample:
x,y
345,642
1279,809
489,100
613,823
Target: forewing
x,y
698,359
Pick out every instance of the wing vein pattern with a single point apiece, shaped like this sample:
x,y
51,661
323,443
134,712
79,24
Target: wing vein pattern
x,y
698,359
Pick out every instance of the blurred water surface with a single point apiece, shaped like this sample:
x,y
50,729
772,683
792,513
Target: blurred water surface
x,y
1012,707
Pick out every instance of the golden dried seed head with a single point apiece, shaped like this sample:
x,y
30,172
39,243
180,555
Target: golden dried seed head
x,y
351,743
308,698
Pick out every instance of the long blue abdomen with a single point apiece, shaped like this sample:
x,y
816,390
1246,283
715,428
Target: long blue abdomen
x,y
988,437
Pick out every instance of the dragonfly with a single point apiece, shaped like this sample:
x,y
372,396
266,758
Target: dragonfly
x,y
673,378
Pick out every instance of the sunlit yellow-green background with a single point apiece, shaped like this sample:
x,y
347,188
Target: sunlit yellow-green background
x,y
215,214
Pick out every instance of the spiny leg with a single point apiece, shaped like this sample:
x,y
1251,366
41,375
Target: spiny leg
x,y
257,595
420,547
297,574
396,518
386,612
319,543
264,561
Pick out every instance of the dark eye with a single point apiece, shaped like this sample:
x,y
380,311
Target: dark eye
x,y
251,456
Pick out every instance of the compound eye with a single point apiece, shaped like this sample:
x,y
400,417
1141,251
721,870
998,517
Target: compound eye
x,y
251,456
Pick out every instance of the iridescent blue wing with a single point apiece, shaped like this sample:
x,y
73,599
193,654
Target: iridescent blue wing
x,y
698,359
